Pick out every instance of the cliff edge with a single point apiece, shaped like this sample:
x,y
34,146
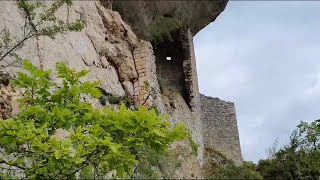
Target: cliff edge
x,y
194,14
162,76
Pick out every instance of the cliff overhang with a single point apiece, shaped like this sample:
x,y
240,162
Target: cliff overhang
x,y
193,14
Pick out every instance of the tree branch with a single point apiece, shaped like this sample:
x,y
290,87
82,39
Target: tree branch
x,y
17,45
3,30
85,163
146,99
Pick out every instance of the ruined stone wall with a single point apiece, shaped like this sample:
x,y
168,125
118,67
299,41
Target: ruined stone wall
x,y
147,92
179,74
190,70
126,65
191,84
144,60
220,130
146,87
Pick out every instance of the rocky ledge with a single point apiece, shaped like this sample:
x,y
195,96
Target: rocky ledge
x,y
194,14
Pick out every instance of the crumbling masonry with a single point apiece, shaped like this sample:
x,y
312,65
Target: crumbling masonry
x,y
220,130
170,68
162,76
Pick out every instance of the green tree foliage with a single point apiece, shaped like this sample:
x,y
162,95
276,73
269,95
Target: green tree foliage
x,y
40,20
100,140
300,159
231,171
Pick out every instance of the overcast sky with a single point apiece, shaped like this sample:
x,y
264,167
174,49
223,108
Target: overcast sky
x,y
265,57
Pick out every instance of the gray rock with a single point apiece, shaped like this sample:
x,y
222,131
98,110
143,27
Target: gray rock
x,y
192,13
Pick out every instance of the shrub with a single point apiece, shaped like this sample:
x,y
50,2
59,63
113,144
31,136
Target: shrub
x,y
300,159
246,171
100,140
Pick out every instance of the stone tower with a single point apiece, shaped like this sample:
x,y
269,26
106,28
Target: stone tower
x,y
220,130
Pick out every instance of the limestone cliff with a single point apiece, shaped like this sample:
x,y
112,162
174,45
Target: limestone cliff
x,y
194,14
104,47
127,65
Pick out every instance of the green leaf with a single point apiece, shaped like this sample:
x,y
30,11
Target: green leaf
x,y
57,154
108,138
159,133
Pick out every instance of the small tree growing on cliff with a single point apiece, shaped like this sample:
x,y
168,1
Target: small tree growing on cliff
x,y
99,141
37,23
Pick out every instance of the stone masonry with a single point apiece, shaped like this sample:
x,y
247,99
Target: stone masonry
x,y
129,66
190,69
220,130
146,88
212,122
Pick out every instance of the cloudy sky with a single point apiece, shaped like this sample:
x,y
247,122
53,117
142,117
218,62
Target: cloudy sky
x,y
265,57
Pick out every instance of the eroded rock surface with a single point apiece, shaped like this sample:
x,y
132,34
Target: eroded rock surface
x,y
8,97
192,13
104,47
124,64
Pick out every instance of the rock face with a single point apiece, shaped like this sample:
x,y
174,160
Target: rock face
x,y
104,47
194,14
7,95
129,66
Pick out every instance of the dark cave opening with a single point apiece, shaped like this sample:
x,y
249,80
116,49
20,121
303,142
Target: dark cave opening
x,y
170,55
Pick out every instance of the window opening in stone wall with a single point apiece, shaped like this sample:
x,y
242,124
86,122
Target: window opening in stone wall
x,y
169,62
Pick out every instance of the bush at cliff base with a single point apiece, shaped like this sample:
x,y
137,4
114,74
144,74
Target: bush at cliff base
x,y
99,140
231,171
299,159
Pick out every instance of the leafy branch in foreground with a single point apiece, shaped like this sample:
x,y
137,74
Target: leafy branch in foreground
x,y
37,23
99,140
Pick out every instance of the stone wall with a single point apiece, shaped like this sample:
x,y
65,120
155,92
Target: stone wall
x,y
180,81
190,70
179,74
126,66
191,84
180,112
146,88
170,72
220,130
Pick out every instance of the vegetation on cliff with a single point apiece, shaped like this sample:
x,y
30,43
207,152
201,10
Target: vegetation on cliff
x,y
56,134
37,23
97,141
299,159
247,171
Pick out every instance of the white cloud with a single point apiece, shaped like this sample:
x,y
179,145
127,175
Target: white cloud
x,y
314,89
267,63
